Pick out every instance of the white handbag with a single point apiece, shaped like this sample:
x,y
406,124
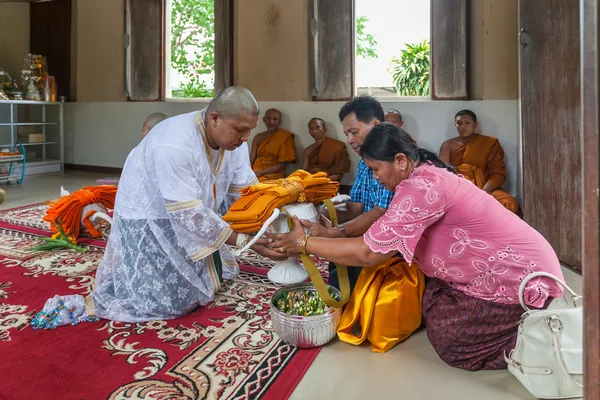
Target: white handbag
x,y
548,356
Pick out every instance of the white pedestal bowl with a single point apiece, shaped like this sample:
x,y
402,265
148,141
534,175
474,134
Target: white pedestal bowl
x,y
291,271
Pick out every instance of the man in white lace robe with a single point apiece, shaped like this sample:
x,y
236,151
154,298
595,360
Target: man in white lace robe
x,y
167,251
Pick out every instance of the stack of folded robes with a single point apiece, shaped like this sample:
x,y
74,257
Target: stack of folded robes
x,y
257,203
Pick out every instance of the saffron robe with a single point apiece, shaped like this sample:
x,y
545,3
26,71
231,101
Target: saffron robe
x,y
278,148
330,157
481,159
258,202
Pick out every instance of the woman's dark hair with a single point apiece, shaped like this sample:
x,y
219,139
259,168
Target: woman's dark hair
x,y
366,109
385,141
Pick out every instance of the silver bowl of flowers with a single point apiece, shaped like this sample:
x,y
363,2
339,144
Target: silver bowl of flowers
x,y
301,319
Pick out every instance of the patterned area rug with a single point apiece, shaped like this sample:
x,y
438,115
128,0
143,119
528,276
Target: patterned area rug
x,y
226,350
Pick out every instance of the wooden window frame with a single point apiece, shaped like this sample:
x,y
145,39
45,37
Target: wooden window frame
x,y
146,69
333,49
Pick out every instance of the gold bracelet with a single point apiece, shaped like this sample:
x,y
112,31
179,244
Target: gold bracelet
x,y
303,243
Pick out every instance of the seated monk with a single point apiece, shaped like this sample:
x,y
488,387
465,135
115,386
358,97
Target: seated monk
x,y
326,154
272,149
479,158
394,117
151,121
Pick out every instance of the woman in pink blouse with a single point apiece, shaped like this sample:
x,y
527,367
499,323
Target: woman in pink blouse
x,y
475,252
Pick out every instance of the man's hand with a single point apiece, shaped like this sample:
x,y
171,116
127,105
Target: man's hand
x,y
262,248
315,229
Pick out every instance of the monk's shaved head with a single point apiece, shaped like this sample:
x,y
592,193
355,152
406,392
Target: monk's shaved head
x,y
273,110
233,103
320,120
151,121
272,119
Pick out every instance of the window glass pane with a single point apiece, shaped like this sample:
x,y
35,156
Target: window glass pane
x,y
392,47
190,48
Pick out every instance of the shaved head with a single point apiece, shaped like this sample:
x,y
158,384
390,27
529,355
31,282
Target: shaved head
x,y
230,118
394,117
233,103
318,119
272,119
273,110
151,121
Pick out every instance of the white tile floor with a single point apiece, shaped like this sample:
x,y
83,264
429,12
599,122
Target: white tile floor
x,y
411,370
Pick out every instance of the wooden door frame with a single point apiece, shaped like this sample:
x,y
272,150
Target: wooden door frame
x,y
590,78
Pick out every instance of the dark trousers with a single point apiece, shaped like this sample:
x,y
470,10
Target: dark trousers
x,y
353,273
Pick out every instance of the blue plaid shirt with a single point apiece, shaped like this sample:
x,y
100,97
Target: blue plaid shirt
x,y
368,190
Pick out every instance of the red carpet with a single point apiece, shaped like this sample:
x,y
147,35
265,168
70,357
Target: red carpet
x,y
226,350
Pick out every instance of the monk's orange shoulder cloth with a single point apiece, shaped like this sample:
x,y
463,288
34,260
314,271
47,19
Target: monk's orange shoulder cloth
x,y
257,203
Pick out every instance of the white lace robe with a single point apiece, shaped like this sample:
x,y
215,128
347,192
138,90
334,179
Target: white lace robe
x,y
158,262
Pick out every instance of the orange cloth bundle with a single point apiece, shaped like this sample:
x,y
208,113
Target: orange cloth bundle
x,y
69,209
258,202
386,302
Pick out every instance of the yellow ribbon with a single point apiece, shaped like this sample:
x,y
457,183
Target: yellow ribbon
x,y
387,302
315,275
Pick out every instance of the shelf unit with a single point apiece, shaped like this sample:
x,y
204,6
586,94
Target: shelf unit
x,y
16,166
49,120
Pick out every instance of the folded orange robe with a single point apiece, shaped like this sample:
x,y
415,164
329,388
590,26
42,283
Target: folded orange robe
x,y
68,209
387,301
480,159
257,203
279,148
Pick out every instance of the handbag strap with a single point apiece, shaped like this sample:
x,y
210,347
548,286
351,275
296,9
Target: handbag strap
x,y
555,326
529,277
526,369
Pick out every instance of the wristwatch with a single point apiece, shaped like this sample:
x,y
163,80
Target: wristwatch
x,y
342,230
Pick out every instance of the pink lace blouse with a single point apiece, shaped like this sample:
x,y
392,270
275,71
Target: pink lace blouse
x,y
460,234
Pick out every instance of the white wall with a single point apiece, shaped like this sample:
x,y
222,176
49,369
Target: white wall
x,y
102,134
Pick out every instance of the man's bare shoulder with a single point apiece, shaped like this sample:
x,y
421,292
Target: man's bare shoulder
x,y
452,144
260,137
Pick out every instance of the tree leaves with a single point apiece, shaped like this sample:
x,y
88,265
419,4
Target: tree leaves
x,y
365,42
411,71
193,27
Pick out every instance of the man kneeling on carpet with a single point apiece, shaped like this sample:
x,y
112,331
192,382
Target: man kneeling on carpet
x,y
475,251
167,252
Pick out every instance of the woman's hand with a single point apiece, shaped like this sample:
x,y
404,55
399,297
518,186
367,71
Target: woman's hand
x,y
315,229
288,243
262,247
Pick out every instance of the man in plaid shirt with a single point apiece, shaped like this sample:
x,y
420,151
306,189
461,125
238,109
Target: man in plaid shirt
x,y
369,199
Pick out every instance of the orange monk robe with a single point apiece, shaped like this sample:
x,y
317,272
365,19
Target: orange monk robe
x,y
257,202
279,148
331,157
480,160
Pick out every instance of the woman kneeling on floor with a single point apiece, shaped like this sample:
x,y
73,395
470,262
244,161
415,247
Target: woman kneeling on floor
x,y
475,252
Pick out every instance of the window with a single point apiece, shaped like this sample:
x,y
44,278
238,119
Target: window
x,y
343,61
190,45
392,47
177,48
